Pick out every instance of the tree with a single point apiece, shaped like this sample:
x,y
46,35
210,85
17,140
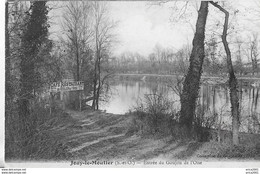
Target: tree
x,y
182,60
253,53
14,24
103,38
192,79
7,50
211,64
34,34
78,35
239,64
232,79
15,16
77,28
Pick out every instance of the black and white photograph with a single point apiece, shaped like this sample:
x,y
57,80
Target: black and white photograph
x,y
130,84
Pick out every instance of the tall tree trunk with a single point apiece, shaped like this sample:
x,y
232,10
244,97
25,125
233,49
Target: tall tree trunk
x,y
234,98
94,103
256,99
94,86
192,80
240,95
77,57
96,70
78,74
252,59
99,84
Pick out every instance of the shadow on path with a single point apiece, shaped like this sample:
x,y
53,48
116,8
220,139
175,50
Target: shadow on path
x,y
189,151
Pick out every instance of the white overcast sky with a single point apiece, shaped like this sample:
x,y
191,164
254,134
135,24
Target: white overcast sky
x,y
142,26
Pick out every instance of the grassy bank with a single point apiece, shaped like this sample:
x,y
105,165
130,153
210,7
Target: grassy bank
x,y
43,143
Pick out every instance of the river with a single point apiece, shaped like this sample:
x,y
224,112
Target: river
x,y
213,99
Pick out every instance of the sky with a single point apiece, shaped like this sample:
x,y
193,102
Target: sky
x,y
141,26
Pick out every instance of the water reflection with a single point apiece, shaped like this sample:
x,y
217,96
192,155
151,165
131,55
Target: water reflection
x,y
213,100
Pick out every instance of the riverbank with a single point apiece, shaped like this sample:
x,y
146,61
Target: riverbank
x,y
98,135
245,81
180,75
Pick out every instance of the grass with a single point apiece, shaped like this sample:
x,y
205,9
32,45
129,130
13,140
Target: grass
x,y
227,150
43,143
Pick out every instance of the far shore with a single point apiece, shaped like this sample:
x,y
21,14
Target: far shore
x,y
203,76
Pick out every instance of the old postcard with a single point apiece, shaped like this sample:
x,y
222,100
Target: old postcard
x,y
165,84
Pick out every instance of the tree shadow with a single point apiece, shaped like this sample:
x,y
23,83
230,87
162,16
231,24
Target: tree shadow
x,y
189,151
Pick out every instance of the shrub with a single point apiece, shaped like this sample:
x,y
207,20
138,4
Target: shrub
x,y
153,115
227,150
203,123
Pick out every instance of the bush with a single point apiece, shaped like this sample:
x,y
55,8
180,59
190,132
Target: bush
x,y
203,124
227,150
153,116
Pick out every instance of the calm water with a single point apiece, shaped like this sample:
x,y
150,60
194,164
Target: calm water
x,y
213,99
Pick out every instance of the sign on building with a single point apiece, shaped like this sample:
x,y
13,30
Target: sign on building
x,y
67,86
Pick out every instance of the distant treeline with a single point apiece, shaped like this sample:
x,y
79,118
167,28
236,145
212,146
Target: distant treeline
x,y
169,61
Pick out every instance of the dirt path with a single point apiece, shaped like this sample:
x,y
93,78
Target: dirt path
x,y
98,135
